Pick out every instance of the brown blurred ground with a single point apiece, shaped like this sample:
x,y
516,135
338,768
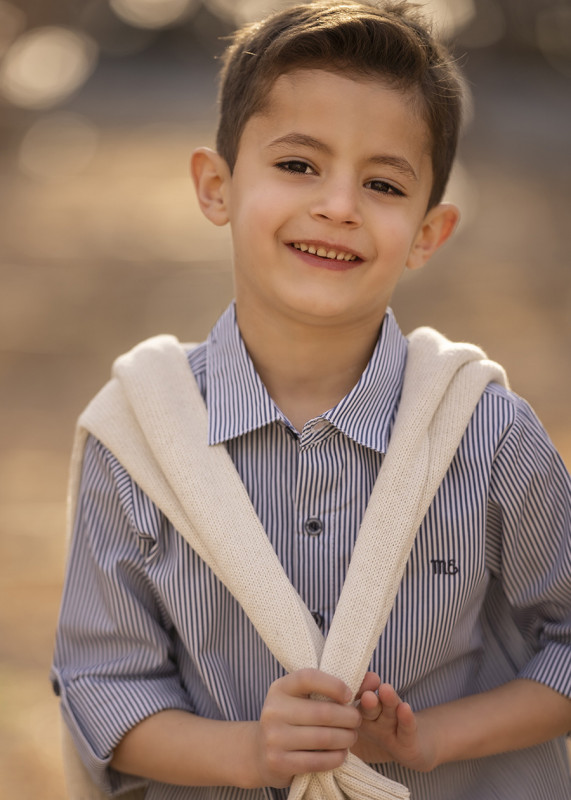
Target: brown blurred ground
x,y
91,264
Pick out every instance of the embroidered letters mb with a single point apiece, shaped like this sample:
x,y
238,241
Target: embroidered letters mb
x,y
442,567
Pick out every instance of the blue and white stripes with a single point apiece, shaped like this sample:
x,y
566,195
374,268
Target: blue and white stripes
x,y
486,595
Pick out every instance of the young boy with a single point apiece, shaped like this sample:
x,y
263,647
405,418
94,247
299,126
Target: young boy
x,y
338,129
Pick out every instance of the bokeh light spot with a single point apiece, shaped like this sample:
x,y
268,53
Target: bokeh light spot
x,y
114,36
58,146
245,11
487,27
151,13
44,66
450,16
553,30
12,23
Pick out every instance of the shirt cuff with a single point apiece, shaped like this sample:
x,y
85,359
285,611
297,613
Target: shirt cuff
x,y
99,712
552,667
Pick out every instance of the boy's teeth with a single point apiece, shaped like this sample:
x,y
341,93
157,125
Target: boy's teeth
x,y
324,253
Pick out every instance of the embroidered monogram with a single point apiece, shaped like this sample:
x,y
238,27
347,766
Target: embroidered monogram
x,y
443,567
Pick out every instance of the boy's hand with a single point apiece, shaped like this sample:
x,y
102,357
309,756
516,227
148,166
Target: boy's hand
x,y
390,731
297,734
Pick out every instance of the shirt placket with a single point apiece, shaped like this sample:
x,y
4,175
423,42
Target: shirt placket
x,y
316,488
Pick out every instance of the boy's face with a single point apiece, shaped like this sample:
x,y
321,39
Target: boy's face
x,y
327,201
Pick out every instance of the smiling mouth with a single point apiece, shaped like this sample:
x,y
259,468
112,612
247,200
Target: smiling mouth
x,y
323,252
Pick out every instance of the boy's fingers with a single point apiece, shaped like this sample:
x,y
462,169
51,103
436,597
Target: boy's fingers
x,y
389,699
301,738
371,683
406,721
306,682
301,711
370,706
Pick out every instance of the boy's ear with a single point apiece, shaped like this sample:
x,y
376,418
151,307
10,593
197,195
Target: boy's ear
x,y
437,227
211,176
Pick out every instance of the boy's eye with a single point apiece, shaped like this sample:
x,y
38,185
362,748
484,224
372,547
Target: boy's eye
x,y
382,187
300,167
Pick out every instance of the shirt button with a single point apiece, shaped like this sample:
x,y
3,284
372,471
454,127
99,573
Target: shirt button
x,y
56,687
320,425
318,618
313,526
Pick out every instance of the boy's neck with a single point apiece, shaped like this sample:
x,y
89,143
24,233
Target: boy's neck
x,y
307,370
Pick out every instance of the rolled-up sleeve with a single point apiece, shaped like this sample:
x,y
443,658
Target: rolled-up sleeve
x,y
113,663
530,492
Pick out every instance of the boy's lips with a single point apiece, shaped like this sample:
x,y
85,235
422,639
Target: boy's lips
x,y
338,255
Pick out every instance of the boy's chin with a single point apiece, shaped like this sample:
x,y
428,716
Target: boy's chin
x,y
326,312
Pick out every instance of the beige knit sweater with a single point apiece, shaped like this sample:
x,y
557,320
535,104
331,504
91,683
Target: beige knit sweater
x,y
152,417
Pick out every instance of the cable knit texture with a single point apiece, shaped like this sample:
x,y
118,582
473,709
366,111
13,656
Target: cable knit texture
x,y
152,417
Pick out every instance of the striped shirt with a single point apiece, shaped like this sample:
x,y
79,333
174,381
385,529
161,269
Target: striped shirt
x,y
485,597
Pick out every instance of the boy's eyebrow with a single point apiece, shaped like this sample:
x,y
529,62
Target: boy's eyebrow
x,y
397,162
301,140
304,140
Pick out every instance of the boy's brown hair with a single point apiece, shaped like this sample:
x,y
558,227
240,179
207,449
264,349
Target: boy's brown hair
x,y
388,39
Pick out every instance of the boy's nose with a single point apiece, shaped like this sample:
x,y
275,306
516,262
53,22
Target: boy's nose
x,y
338,202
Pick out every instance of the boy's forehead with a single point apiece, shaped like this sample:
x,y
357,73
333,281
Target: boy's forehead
x,y
336,76
304,94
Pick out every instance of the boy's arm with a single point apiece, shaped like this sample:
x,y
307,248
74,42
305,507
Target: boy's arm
x,y
529,549
295,735
113,662
514,716
121,693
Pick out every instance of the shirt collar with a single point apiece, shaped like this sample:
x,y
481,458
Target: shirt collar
x,y
238,401
367,413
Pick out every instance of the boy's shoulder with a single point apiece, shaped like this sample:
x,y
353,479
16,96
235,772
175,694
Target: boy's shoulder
x,y
505,403
504,399
512,428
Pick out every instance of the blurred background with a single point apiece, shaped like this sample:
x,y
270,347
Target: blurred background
x,y
101,245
